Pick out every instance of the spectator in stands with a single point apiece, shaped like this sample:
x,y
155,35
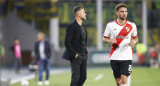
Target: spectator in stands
x,y
158,50
141,50
141,59
2,51
153,57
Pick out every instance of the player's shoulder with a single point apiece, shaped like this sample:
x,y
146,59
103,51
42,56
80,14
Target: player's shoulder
x,y
132,23
72,24
111,23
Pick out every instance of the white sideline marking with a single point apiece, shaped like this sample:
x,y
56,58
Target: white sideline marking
x,y
98,77
32,76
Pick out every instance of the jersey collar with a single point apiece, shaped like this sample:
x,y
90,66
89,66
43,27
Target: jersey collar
x,y
122,24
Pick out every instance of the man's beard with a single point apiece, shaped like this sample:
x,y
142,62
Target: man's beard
x,y
83,18
122,18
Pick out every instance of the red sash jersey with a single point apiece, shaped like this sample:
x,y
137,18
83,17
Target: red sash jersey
x,y
123,33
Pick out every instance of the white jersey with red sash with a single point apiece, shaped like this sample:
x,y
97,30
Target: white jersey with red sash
x,y
123,33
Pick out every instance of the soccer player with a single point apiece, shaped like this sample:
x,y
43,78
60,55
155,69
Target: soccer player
x,y
122,34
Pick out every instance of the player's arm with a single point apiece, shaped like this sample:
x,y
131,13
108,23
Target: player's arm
x,y
134,37
109,41
68,39
106,36
134,41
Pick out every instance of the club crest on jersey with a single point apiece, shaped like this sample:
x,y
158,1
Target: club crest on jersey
x,y
127,28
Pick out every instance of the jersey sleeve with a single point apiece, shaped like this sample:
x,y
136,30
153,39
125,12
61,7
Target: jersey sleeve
x,y
107,31
134,33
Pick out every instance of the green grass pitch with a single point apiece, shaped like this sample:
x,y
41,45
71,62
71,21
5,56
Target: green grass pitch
x,y
141,76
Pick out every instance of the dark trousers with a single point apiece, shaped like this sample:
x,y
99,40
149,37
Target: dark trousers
x,y
79,71
44,64
17,64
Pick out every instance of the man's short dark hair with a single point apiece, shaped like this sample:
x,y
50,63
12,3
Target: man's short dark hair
x,y
16,38
119,6
76,9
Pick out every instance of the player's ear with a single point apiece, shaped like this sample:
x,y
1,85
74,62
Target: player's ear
x,y
117,13
77,14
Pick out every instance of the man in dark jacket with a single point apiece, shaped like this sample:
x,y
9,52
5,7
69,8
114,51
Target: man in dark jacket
x,y
76,52
43,54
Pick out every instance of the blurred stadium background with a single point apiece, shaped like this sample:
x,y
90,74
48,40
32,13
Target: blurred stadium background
x,y
25,18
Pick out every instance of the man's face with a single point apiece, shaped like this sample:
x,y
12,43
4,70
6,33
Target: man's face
x,y
16,41
122,13
82,14
40,37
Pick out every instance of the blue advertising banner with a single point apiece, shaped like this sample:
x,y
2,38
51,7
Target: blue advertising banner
x,y
19,4
102,57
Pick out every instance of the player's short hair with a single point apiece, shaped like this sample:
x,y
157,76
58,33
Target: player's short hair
x,y
41,33
119,6
16,38
76,9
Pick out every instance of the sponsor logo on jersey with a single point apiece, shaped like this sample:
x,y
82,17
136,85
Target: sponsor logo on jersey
x,y
122,37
